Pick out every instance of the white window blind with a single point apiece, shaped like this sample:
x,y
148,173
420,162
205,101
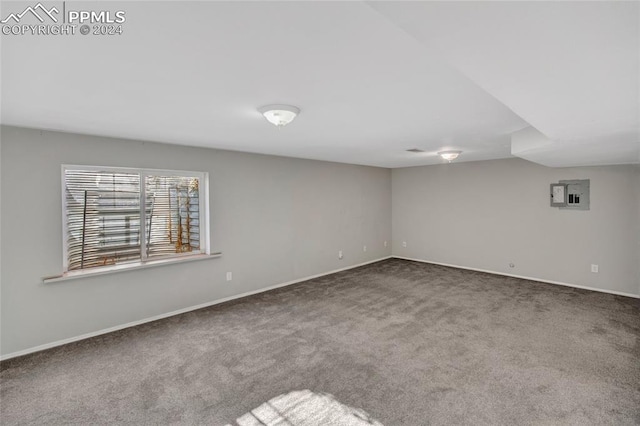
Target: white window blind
x,y
103,208
173,218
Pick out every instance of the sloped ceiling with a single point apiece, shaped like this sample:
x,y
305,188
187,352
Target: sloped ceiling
x,y
570,69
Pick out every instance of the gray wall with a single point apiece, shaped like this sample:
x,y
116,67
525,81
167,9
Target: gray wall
x,y
279,219
488,214
275,219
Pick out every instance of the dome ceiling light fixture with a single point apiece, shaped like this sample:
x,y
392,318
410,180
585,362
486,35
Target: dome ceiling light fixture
x,y
279,115
449,155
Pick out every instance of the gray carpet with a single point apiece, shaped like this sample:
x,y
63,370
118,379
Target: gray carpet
x,y
305,408
405,342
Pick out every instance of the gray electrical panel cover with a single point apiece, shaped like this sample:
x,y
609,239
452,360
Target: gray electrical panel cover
x,y
577,194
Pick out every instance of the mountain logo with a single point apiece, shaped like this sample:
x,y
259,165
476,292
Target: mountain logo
x,y
38,11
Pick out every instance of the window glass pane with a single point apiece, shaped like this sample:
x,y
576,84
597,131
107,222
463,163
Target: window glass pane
x,y
173,215
103,218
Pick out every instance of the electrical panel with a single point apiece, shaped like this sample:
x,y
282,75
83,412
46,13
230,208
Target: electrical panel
x,y
570,194
558,194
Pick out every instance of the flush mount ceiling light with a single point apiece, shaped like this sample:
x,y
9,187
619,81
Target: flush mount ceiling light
x,y
449,155
279,115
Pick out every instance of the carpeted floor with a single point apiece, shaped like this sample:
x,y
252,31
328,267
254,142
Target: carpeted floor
x,y
406,342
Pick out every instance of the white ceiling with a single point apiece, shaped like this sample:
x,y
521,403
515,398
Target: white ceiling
x,y
570,69
372,79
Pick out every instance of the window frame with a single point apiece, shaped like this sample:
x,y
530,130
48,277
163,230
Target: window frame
x,y
203,206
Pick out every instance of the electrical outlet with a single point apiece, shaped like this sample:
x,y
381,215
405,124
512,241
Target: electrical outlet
x,y
595,268
340,256
385,243
229,276
404,244
512,265
364,248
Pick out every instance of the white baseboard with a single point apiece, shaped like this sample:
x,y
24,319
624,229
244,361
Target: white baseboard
x,y
177,312
618,293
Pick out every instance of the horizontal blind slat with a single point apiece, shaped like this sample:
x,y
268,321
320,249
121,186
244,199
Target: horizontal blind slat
x,y
105,230
103,216
174,204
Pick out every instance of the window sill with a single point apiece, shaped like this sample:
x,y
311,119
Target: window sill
x,y
128,267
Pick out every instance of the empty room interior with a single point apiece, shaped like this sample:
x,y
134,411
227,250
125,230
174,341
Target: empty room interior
x,y
320,213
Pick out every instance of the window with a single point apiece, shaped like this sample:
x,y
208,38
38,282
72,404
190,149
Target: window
x,y
115,216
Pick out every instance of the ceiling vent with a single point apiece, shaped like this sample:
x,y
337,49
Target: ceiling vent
x,y
416,150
